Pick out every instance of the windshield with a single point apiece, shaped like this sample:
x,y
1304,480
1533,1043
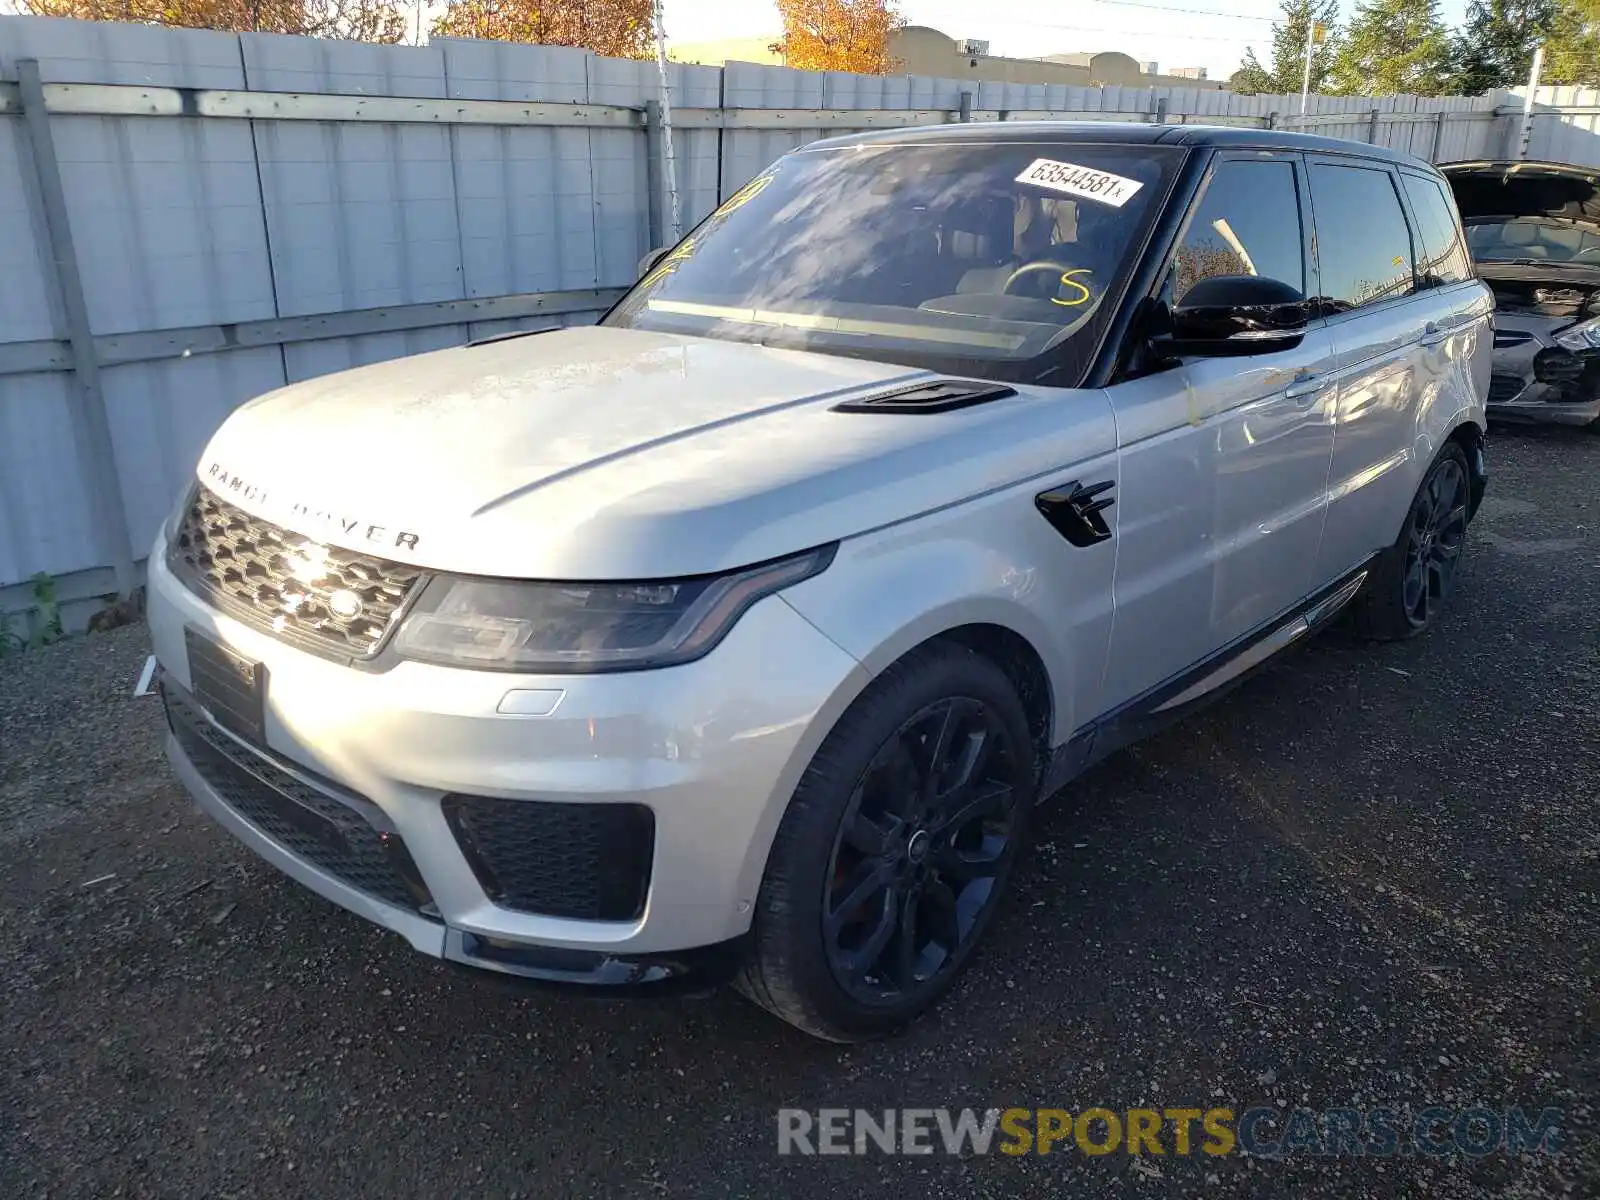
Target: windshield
x,y
1534,239
973,258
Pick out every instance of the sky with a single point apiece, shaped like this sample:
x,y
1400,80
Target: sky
x,y
1203,34
1174,33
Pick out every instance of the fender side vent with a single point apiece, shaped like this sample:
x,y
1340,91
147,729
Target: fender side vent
x,y
934,396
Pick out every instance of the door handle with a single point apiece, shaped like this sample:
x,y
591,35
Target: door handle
x,y
1305,385
1433,334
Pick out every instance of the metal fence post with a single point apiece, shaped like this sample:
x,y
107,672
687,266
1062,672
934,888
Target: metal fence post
x,y
653,161
90,425
1372,128
1438,136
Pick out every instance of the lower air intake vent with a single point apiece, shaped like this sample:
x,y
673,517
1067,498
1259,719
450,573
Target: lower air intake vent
x,y
586,862
934,396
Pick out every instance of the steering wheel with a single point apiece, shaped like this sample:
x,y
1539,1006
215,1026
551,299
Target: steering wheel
x,y
1587,253
1042,264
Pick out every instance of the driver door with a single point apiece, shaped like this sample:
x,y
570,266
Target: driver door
x,y
1224,460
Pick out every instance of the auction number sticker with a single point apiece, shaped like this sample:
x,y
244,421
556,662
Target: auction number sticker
x,y
1080,181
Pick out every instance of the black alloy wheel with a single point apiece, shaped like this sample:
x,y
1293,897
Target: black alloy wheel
x,y
1436,533
896,850
915,862
1408,583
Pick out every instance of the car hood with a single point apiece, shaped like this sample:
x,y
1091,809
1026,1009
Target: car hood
x,y
600,453
1498,190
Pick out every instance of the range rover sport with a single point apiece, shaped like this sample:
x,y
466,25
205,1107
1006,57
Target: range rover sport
x,y
737,636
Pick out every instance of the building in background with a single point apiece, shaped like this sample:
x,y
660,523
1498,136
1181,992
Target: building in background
x,y
924,51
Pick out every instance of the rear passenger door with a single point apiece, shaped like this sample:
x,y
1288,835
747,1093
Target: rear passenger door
x,y
1444,269
1386,333
1224,459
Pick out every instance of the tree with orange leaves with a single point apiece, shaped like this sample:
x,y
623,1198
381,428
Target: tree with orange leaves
x,y
616,28
357,20
839,35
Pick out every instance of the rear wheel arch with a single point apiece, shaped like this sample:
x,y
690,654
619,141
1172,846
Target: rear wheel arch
x,y
1472,438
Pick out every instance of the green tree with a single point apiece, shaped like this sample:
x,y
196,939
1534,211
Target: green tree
x,y
1572,52
1251,78
1495,47
1287,71
1391,47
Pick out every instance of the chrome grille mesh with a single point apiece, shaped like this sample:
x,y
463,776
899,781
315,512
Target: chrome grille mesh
x,y
336,601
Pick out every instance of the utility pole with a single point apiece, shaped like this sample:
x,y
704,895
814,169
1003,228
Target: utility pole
x,y
1525,134
1315,34
669,165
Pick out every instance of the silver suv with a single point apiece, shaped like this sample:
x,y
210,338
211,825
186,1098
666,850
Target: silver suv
x,y
738,636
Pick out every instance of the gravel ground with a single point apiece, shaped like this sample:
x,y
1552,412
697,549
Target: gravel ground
x,y
1369,877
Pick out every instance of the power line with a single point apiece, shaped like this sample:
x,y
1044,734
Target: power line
x,y
1200,12
1188,37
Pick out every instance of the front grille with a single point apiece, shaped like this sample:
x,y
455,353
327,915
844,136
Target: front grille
x,y
1504,387
340,836
335,601
588,862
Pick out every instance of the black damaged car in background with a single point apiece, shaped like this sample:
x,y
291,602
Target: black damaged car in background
x,y
1533,229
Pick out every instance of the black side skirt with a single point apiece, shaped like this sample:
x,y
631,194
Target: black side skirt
x,y
1197,687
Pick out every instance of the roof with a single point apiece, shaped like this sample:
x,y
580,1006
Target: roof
x,y
1124,133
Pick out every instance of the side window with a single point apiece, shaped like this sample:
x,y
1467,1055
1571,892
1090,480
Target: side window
x,y
1363,243
1441,258
1248,223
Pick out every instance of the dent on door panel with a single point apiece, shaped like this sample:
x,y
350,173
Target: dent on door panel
x,y
1385,381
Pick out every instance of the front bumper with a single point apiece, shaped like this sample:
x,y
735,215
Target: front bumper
x,y
712,748
1521,387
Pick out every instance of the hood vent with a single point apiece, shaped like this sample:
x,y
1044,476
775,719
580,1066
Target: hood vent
x,y
931,396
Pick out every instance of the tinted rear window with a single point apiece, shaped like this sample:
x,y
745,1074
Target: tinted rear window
x,y
1363,243
1441,258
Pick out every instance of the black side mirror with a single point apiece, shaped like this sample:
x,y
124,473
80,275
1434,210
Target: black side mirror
x,y
1237,314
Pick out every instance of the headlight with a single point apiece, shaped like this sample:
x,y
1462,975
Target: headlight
x,y
1579,338
503,625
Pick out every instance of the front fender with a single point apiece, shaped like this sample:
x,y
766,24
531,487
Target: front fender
x,y
993,561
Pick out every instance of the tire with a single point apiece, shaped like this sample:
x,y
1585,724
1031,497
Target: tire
x,y
1426,555
872,834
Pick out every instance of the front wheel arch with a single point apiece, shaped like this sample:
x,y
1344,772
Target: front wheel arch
x,y
786,970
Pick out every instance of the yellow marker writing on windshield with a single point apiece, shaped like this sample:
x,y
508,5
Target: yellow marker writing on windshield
x,y
744,195
669,264
1068,280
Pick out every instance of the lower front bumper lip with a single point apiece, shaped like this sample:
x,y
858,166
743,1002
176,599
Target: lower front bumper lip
x,y
590,970
680,971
